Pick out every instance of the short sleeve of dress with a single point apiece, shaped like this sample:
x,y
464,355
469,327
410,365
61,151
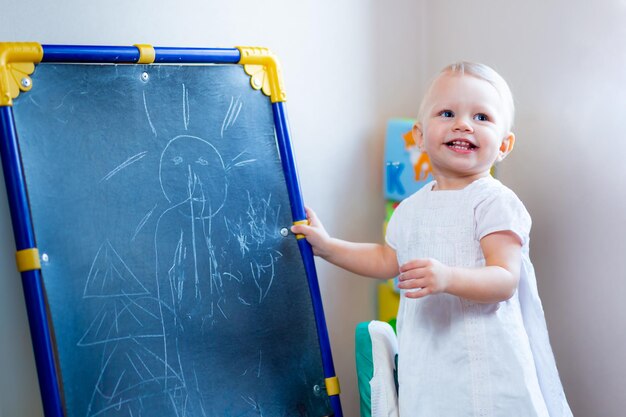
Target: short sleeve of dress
x,y
501,211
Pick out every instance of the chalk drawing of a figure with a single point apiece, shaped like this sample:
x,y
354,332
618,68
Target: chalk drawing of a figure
x,y
193,179
212,267
198,283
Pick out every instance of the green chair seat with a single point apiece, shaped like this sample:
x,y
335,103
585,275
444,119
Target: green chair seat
x,y
376,350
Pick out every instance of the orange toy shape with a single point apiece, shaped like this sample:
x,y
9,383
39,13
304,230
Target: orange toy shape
x,y
419,160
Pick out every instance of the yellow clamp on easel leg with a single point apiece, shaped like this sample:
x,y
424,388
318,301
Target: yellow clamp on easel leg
x,y
27,260
332,386
147,55
301,236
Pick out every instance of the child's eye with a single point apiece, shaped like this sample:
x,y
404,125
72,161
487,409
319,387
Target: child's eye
x,y
446,113
481,117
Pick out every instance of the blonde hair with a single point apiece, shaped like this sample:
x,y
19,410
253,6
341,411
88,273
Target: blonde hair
x,y
482,72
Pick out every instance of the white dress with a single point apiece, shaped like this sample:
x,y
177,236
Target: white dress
x,y
458,358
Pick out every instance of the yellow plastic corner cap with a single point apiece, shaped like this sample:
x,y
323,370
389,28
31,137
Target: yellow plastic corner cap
x,y
17,62
264,70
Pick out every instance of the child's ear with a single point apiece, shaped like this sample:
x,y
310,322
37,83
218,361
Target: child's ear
x,y
418,136
506,147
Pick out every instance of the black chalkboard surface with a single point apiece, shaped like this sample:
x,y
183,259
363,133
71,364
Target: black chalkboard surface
x,y
158,201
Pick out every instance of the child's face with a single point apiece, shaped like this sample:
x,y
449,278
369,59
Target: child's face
x,y
464,127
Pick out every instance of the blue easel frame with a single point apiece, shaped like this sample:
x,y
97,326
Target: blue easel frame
x,y
23,228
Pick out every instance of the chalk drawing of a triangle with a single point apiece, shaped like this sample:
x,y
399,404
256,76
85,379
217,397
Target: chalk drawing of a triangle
x,y
132,376
109,276
124,319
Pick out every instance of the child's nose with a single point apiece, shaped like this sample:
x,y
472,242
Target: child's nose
x,y
461,124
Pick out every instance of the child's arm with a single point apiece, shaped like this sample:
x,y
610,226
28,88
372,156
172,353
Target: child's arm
x,y
497,281
367,259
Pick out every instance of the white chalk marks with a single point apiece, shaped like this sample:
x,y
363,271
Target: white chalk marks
x,y
231,114
123,165
109,276
198,255
143,221
185,107
239,163
145,106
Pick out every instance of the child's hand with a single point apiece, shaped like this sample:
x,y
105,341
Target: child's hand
x,y
424,277
314,232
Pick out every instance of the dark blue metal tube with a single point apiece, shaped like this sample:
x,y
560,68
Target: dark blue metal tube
x,y
289,164
31,280
80,53
335,402
197,55
130,54
42,347
298,213
320,319
318,308
14,179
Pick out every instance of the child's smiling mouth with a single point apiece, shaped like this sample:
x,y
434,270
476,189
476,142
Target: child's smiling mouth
x,y
461,145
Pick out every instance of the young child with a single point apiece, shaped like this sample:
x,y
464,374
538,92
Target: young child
x,y
472,338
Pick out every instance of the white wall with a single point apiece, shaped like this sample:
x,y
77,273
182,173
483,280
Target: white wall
x,y
348,67
336,58
566,63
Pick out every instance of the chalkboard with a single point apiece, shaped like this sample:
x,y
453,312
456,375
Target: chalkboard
x,y
160,212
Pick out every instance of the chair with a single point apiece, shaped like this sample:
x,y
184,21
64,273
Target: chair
x,y
376,350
